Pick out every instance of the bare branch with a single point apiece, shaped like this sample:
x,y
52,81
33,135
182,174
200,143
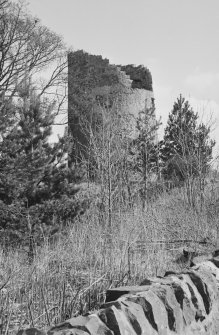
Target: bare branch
x,y
25,46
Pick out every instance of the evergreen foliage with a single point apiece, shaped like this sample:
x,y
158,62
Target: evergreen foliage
x,y
144,152
36,185
33,173
187,148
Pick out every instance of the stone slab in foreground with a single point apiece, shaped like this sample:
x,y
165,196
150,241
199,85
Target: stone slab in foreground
x,y
183,303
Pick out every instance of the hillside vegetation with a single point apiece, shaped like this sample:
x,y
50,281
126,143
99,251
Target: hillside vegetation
x,y
74,223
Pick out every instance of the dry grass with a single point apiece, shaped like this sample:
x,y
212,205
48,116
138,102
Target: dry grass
x,y
71,275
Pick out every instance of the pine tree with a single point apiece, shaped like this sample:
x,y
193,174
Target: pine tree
x,y
33,172
187,148
144,152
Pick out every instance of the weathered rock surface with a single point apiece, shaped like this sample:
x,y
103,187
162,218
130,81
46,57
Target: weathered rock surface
x,y
179,303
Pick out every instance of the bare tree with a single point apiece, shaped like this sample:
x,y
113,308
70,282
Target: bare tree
x,y
28,49
26,46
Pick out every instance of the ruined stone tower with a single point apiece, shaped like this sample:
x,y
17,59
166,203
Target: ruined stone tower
x,y
94,83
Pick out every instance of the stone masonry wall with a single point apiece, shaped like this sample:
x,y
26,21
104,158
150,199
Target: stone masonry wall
x,y
94,83
178,303
129,101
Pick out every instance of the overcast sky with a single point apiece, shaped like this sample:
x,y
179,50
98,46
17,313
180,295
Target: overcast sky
x,y
177,40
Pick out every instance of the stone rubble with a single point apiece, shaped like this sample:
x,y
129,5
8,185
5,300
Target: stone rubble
x,y
179,303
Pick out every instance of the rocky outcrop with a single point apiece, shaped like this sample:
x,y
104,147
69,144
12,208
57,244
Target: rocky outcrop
x,y
178,303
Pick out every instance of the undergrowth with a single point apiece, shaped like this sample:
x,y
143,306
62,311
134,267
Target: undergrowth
x,y
70,274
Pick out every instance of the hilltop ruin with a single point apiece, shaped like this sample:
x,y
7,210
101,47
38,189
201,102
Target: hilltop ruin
x,y
95,84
